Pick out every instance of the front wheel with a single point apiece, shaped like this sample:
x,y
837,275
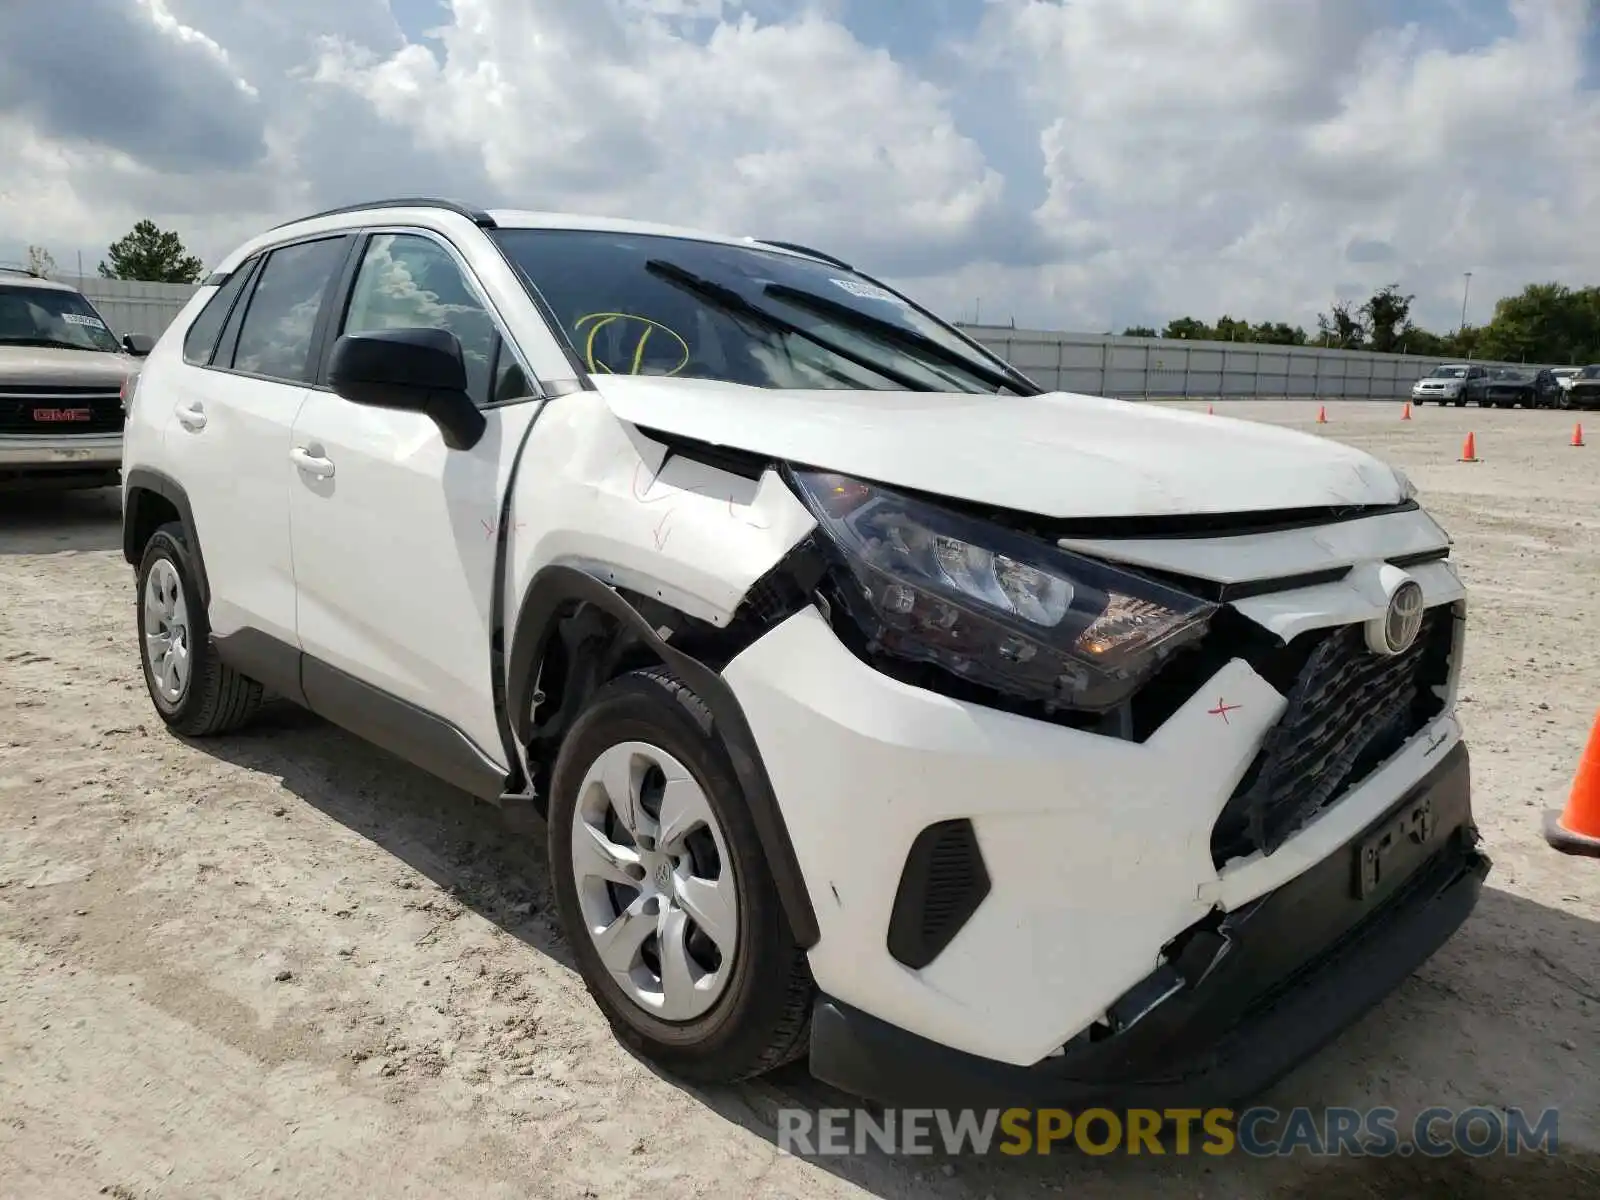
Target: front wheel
x,y
664,892
194,692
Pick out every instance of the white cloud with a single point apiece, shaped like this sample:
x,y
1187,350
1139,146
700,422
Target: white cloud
x,y
1192,156
163,19
793,128
1228,153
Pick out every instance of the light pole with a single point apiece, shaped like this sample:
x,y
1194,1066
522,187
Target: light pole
x,y
1466,291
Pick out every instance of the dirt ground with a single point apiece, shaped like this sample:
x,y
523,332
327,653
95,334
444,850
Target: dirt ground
x,y
284,964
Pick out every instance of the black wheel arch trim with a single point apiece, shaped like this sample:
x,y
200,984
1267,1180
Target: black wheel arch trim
x,y
557,585
144,479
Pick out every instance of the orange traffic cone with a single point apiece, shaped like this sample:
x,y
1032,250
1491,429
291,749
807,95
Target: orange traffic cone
x,y
1577,434
1469,449
1322,414
1405,413
1577,829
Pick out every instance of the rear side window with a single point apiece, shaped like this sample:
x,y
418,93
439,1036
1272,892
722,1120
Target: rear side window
x,y
275,338
201,341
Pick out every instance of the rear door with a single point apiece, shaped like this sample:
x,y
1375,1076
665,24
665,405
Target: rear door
x,y
233,406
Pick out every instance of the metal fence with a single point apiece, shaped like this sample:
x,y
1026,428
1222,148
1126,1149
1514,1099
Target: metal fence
x,y
1087,363
1166,368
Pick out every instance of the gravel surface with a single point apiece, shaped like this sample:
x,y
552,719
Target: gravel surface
x,y
285,964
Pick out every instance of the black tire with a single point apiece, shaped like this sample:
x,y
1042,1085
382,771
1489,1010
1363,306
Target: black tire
x,y
762,1020
217,699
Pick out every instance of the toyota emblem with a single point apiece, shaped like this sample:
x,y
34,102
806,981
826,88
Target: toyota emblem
x,y
1404,619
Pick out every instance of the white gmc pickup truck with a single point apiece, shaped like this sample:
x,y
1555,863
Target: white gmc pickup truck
x,y
62,373
984,744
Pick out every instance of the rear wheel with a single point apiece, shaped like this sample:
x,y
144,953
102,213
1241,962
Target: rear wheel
x,y
664,893
194,692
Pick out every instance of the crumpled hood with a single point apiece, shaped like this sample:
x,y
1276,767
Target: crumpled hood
x,y
1058,455
47,366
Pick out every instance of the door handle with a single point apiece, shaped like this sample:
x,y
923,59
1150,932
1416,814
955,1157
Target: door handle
x,y
191,417
312,464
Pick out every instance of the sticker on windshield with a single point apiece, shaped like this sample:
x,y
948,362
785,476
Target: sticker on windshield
x,y
80,319
866,291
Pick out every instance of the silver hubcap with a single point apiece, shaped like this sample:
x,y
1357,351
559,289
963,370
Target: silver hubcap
x,y
655,882
166,632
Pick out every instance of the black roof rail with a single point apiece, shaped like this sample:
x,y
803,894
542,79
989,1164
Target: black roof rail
x,y
477,216
797,248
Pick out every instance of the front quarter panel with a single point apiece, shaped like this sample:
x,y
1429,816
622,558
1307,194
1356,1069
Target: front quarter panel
x,y
597,494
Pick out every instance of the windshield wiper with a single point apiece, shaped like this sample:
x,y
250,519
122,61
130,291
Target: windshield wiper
x,y
906,339
732,302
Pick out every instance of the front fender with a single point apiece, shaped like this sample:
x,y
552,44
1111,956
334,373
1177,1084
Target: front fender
x,y
554,588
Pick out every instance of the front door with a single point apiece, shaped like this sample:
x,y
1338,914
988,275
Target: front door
x,y
394,533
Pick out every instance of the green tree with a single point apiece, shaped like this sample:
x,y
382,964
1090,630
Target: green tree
x,y
1547,322
1278,333
1430,345
153,255
1138,331
1228,329
41,262
1188,327
1388,319
1341,328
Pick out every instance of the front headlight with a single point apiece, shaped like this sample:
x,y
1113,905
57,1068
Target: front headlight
x,y
996,607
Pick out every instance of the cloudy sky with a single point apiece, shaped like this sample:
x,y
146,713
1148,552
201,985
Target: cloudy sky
x,y
1081,164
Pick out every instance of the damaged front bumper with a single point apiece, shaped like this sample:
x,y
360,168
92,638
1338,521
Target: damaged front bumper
x,y
1243,997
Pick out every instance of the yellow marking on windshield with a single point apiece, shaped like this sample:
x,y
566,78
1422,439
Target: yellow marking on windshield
x,y
602,319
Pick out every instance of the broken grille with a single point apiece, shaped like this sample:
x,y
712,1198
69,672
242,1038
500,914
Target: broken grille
x,y
1348,711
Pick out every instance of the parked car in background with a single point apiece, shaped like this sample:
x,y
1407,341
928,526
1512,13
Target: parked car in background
x,y
1584,390
1452,384
975,741
1547,389
1564,377
1531,387
62,375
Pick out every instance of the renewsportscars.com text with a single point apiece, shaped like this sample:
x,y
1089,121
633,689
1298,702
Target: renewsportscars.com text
x,y
1257,1132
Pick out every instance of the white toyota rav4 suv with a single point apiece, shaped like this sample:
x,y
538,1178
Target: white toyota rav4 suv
x,y
984,744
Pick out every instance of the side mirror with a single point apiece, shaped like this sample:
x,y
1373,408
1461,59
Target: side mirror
x,y
410,370
138,344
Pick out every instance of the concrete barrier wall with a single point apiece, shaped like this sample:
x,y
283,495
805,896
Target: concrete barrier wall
x,y
1094,364
1164,368
133,307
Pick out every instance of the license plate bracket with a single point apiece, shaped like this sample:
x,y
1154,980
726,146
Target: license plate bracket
x,y
1393,849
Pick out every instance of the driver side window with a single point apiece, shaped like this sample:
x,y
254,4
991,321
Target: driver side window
x,y
407,281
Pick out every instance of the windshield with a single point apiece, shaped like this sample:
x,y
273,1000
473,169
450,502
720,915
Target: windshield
x,y
1589,373
647,304
1449,373
37,316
